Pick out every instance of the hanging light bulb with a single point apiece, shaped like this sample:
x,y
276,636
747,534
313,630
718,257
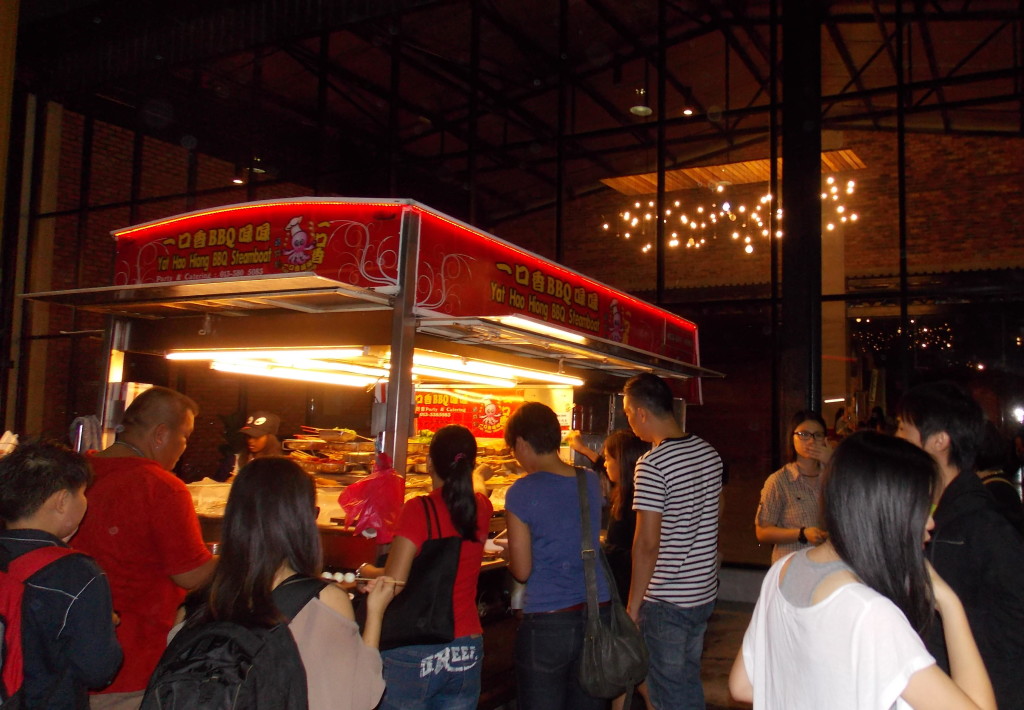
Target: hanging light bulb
x,y
640,108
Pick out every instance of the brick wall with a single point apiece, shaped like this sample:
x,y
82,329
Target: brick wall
x,y
83,257
965,211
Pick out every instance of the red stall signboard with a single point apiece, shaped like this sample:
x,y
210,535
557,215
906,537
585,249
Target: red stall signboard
x,y
353,242
461,272
466,273
482,412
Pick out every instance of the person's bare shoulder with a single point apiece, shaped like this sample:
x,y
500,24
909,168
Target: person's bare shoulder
x,y
337,599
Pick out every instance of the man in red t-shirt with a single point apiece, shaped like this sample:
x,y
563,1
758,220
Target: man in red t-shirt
x,y
142,529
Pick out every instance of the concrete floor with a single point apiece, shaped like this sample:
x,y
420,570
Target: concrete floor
x,y
721,644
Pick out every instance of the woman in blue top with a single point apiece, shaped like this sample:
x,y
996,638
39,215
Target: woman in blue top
x,y
542,511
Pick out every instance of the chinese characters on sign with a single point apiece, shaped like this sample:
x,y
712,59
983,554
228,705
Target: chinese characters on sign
x,y
572,305
483,413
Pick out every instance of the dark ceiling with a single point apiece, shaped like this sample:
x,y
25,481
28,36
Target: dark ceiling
x,y
489,109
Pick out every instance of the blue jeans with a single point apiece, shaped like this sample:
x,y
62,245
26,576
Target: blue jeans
x,y
547,654
444,676
675,641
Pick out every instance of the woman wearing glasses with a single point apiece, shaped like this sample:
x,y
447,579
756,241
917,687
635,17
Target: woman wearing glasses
x,y
789,516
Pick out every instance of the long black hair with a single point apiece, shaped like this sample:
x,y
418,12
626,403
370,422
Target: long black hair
x,y
453,455
625,447
270,519
877,495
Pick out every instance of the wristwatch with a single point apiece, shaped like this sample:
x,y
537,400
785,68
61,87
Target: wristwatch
x,y
802,538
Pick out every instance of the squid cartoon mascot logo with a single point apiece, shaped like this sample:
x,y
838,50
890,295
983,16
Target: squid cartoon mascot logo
x,y
301,244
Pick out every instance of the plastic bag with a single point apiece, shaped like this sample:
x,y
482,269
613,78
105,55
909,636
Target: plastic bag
x,y
375,502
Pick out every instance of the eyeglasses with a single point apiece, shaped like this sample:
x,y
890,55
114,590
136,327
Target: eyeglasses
x,y
808,435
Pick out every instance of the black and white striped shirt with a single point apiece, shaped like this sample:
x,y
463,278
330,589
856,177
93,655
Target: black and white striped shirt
x,y
682,479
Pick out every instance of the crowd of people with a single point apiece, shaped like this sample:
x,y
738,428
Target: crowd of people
x,y
922,582
897,580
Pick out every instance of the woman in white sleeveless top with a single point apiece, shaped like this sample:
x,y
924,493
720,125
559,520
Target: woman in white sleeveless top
x,y
838,626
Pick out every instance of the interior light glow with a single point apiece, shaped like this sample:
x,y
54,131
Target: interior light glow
x,y
291,373
542,328
277,354
347,367
492,369
461,376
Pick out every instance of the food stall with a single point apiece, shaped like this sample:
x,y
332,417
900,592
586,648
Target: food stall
x,y
442,322
387,294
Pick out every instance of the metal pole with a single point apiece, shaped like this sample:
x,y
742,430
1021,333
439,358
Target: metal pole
x,y
399,405
801,204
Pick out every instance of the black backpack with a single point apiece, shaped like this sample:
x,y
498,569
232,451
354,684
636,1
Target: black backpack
x,y
227,666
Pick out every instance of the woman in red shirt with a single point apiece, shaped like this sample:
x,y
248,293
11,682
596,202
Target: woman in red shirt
x,y
445,675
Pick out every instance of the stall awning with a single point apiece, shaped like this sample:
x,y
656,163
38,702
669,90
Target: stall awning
x,y
330,255
306,293
590,353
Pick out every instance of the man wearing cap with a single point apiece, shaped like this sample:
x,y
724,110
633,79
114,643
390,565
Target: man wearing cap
x,y
261,437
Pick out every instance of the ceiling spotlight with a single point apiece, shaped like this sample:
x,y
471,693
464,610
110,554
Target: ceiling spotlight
x,y
641,108
687,111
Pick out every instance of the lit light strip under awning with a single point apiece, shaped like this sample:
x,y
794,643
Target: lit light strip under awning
x,y
594,353
359,366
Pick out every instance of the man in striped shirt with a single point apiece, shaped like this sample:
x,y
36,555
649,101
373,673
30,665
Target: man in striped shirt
x,y
675,551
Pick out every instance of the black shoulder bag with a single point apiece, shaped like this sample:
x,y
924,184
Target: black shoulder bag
x,y
614,657
422,613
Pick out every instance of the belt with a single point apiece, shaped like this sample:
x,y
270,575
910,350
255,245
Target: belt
x,y
575,607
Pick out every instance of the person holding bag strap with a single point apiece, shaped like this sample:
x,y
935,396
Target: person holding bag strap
x,y
541,510
614,658
431,634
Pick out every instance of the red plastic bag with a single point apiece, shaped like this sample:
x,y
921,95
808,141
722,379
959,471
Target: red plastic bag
x,y
375,502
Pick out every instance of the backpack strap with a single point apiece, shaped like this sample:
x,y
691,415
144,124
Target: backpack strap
x,y
291,595
24,566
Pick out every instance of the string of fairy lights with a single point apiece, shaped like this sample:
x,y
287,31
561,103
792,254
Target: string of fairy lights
x,y
881,335
696,226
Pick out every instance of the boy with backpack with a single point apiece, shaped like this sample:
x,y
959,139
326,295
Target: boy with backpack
x,y
55,609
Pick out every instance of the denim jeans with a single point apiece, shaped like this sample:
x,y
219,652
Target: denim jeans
x,y
547,654
675,641
443,676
